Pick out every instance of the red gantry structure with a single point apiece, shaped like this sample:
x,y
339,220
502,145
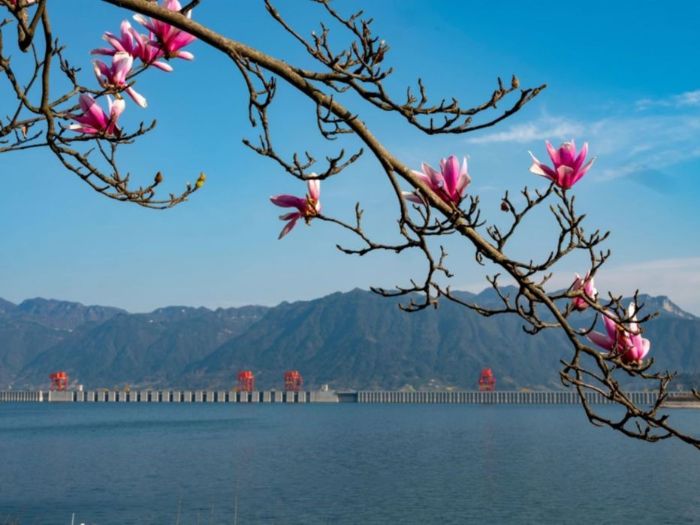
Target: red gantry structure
x,y
59,381
293,382
246,381
487,381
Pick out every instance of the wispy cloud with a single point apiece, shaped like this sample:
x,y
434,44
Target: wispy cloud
x,y
645,145
638,145
678,278
543,128
681,100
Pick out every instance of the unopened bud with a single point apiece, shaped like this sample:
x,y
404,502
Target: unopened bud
x,y
201,180
380,52
158,178
515,83
505,206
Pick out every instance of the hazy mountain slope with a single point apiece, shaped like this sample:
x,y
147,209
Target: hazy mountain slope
x,y
141,349
62,314
6,306
359,340
350,340
20,342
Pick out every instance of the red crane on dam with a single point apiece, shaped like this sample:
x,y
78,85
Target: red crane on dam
x,y
246,381
293,382
59,381
487,381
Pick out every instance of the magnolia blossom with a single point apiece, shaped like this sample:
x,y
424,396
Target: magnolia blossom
x,y
307,207
626,342
115,76
568,167
137,45
449,183
94,121
587,286
169,39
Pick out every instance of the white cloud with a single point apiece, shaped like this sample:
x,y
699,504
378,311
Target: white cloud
x,y
682,100
632,144
626,144
678,278
541,129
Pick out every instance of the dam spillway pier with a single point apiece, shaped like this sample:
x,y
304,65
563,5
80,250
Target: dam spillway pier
x,y
173,396
473,397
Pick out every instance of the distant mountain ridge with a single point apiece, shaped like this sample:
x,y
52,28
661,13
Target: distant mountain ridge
x,y
63,315
663,304
6,306
349,340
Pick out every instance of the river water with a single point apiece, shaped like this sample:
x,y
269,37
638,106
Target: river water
x,y
336,464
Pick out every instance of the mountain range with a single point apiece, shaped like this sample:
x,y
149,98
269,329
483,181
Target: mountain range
x,y
347,340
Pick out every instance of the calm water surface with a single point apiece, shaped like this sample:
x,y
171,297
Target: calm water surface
x,y
199,464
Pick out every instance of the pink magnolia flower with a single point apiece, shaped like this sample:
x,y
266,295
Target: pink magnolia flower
x,y
137,45
115,76
169,39
307,207
449,183
587,285
626,342
568,167
94,121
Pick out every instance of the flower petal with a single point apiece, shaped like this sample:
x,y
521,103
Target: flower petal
x,y
288,201
581,156
116,108
464,181
581,172
450,173
553,153
162,65
412,196
436,179
565,176
314,188
538,168
287,228
93,111
121,65
610,326
567,153
602,341
137,97
424,178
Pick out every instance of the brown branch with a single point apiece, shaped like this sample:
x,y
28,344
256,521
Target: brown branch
x,y
360,69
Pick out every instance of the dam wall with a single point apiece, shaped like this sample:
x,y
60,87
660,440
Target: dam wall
x,y
563,397
505,397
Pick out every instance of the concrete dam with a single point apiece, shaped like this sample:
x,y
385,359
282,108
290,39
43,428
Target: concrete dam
x,y
498,397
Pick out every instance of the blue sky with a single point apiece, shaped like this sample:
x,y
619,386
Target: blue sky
x,y
624,81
